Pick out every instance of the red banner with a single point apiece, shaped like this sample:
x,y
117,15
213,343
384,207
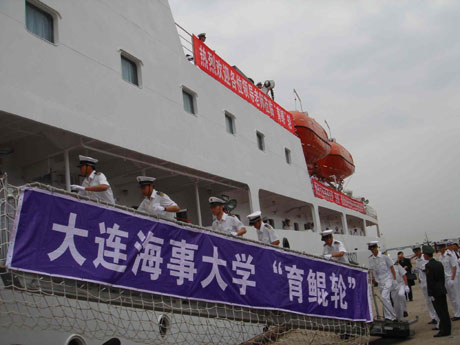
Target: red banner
x,y
216,67
326,193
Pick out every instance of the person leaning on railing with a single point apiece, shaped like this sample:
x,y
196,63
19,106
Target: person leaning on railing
x,y
95,185
155,203
223,222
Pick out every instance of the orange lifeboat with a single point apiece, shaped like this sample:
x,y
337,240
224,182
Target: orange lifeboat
x,y
336,166
315,142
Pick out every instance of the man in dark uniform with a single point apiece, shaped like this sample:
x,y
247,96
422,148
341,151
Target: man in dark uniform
x,y
437,291
407,265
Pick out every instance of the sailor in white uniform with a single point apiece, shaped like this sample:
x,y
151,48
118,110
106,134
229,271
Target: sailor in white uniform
x,y
333,249
223,222
95,184
265,233
453,247
420,263
399,291
449,261
384,274
155,203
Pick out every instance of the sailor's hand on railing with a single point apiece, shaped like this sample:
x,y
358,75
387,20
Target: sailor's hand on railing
x,y
77,188
327,256
234,233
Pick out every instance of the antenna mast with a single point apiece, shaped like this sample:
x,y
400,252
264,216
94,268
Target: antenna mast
x,y
300,101
330,135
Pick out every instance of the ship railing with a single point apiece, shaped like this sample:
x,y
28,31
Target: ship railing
x,y
370,211
9,205
186,40
41,301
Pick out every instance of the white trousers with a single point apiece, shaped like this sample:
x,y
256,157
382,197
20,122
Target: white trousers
x,y
399,301
385,291
453,294
429,303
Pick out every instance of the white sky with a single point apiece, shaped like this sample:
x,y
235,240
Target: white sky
x,y
384,74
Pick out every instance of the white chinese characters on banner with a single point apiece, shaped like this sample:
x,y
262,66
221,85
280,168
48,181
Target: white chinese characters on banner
x,y
295,277
70,231
181,264
323,290
216,262
111,248
149,256
317,288
339,291
244,268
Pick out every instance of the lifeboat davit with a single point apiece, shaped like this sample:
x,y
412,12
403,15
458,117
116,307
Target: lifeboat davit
x,y
337,165
315,142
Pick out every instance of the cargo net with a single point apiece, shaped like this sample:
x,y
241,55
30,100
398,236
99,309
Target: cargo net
x,y
39,302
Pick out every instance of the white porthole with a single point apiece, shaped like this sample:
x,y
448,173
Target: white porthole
x,y
75,339
164,325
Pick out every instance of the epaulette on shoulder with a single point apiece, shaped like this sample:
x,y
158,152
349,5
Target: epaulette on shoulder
x,y
336,242
268,226
160,193
98,173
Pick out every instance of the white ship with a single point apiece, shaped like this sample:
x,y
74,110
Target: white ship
x,y
110,80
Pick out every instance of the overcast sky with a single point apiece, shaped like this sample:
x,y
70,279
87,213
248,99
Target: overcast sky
x,y
384,74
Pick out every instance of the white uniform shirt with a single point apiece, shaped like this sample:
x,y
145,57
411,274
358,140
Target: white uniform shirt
x,y
335,247
420,265
96,179
381,265
400,272
449,261
457,256
157,199
266,234
227,224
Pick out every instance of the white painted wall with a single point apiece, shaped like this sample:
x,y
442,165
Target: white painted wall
x,y
76,85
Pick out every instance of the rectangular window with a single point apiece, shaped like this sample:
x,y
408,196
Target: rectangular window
x,y
129,70
296,226
260,141
39,22
229,123
287,153
189,105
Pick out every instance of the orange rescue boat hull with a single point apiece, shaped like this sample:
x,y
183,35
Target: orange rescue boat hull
x,y
336,166
315,142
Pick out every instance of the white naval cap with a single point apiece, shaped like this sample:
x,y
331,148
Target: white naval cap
x,y
214,201
254,217
145,180
85,160
372,244
326,233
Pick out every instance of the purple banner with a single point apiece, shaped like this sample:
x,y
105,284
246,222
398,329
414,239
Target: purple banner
x,y
61,236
